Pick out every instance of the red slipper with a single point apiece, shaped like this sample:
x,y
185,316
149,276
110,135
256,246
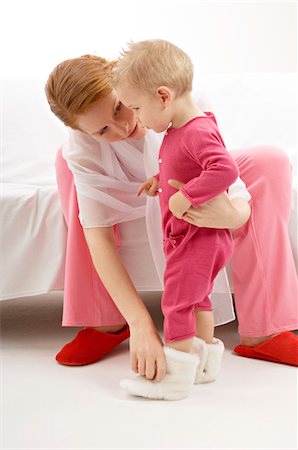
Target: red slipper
x,y
89,346
282,348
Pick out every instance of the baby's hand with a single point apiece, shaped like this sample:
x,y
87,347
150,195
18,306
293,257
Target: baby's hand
x,y
178,205
150,187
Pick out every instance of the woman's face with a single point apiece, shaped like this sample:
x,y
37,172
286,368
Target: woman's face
x,y
109,121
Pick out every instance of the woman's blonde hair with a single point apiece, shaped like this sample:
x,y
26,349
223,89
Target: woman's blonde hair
x,y
153,63
75,84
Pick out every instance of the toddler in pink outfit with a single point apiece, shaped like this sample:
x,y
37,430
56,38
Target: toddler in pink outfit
x,y
154,78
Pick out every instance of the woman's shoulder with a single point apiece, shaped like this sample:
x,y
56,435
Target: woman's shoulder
x,y
80,140
83,153
80,146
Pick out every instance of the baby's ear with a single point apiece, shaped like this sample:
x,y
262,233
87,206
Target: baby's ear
x,y
165,94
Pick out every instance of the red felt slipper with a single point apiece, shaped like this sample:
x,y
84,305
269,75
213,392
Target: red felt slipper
x,y
282,348
89,346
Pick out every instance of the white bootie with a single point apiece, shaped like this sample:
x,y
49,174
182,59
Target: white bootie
x,y
181,369
210,359
199,347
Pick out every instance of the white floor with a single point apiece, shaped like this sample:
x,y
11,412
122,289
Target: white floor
x,y
252,405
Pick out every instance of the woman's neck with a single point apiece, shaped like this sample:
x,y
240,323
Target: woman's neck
x,y
138,143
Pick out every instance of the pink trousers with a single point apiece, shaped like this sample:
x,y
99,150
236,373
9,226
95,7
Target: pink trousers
x,y
264,276
194,256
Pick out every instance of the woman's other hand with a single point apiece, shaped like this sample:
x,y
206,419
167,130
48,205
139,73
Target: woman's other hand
x,y
179,205
146,352
146,349
220,212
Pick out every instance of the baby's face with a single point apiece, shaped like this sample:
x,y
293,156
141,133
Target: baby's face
x,y
149,108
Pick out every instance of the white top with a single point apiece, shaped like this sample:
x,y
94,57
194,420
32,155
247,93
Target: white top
x,y
107,177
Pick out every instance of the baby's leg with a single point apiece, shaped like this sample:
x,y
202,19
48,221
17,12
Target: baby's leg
x,y
205,325
209,349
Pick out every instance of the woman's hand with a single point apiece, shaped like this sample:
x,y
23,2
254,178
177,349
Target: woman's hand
x,y
178,205
146,349
150,187
220,212
146,352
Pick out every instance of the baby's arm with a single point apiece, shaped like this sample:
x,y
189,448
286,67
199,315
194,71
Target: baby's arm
x,y
219,172
150,187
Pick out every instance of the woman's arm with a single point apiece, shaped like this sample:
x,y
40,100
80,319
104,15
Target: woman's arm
x,y
147,357
220,212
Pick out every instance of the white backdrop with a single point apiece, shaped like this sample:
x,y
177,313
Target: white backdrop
x,y
246,65
220,36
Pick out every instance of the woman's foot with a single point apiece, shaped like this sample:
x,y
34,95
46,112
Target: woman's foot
x,y
281,348
252,342
109,329
90,345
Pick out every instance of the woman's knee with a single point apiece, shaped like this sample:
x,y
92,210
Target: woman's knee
x,y
272,160
63,173
59,160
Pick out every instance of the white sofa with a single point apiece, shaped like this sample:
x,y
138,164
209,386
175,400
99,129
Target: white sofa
x,y
251,109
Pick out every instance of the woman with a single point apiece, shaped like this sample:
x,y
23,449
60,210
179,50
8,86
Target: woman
x,y
107,154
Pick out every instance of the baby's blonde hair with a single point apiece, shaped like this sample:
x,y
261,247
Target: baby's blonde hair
x,y
153,63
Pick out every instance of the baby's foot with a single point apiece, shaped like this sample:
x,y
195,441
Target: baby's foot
x,y
181,369
210,359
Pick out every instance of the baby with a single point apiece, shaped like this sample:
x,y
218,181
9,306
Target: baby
x,y
154,78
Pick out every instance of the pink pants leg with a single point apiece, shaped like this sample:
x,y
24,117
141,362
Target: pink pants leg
x,y
264,276
86,301
193,259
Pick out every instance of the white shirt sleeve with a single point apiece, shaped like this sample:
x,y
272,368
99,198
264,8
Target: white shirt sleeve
x,y
106,195
238,190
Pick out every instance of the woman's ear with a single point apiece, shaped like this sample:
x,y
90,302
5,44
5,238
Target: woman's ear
x,y
165,95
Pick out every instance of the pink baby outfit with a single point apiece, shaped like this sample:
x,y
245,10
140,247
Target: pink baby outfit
x,y
196,155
